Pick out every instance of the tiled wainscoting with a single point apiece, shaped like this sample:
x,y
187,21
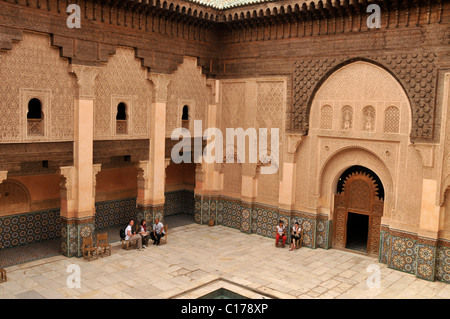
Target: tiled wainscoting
x,y
29,228
426,258
261,219
179,202
114,212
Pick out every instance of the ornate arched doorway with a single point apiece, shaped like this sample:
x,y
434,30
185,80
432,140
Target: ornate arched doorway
x,y
358,208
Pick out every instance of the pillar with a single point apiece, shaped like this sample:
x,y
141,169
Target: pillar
x,y
151,176
78,181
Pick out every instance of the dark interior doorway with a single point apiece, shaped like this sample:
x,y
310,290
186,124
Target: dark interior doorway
x,y
357,232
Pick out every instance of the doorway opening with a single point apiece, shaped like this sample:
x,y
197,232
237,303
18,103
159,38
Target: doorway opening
x,y
358,209
357,232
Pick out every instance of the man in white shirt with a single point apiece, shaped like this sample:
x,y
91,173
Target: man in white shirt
x,y
158,232
132,237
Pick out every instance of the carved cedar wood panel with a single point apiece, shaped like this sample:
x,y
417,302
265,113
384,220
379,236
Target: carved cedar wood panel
x,y
359,195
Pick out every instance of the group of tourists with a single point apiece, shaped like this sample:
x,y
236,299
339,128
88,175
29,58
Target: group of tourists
x,y
296,234
142,236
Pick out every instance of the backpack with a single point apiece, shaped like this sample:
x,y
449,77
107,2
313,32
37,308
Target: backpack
x,y
122,232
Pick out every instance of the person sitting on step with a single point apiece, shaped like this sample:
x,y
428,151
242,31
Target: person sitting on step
x,y
158,232
132,237
295,235
281,233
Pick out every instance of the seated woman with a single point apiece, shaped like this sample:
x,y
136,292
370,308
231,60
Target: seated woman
x,y
295,235
281,233
144,233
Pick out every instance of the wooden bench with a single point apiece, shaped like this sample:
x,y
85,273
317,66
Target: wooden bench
x,y
126,244
3,275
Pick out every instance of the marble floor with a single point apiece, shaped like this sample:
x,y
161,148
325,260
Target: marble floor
x,y
199,259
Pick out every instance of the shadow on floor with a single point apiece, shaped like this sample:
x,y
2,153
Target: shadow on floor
x,y
49,248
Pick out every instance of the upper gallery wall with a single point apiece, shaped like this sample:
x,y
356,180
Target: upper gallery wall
x,y
303,40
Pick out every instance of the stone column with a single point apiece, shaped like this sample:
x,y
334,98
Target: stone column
x,y
151,178
77,196
206,178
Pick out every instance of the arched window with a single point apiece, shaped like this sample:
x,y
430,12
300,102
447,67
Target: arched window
x,y
185,117
392,120
347,117
35,117
369,118
121,118
326,117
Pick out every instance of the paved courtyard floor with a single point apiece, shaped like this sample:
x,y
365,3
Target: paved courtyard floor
x,y
199,259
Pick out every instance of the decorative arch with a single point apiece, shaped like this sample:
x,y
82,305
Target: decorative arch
x,y
345,157
311,74
339,66
14,198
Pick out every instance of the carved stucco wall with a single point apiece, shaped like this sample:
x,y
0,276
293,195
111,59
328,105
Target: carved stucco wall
x,y
333,145
122,79
445,233
254,103
416,72
34,69
187,87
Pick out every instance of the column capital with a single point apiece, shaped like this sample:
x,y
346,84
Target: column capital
x,y
143,169
86,76
293,140
3,176
67,179
96,168
161,84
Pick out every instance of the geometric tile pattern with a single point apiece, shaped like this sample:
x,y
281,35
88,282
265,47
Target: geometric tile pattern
x,y
323,227
72,233
180,201
403,253
29,228
384,247
420,256
426,258
443,264
114,212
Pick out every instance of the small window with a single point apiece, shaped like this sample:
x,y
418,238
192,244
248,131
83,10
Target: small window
x,y
185,116
121,112
34,109
121,119
35,118
392,120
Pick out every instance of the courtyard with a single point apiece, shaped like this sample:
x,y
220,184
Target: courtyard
x,y
199,259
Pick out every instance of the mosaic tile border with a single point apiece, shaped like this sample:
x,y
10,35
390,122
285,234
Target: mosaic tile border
x,y
179,201
422,257
150,213
28,228
114,212
72,233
